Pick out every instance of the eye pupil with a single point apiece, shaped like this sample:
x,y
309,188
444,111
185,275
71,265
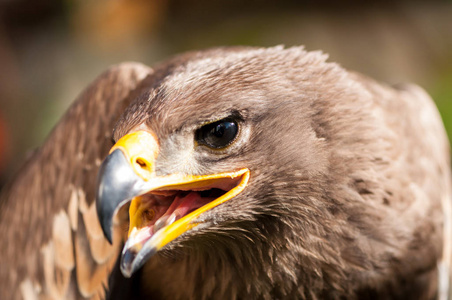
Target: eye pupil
x,y
219,134
219,130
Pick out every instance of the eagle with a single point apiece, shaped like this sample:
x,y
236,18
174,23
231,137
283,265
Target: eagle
x,y
234,173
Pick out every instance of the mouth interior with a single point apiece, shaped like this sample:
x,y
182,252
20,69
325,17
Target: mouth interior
x,y
157,209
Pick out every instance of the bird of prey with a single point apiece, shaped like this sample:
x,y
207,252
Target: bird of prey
x,y
234,173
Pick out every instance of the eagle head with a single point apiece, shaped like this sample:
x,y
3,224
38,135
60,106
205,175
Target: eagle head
x,y
272,165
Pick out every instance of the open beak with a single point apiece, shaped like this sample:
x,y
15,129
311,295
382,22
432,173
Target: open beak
x,y
161,207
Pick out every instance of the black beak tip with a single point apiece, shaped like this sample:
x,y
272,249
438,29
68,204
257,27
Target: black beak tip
x,y
117,183
106,226
103,212
132,261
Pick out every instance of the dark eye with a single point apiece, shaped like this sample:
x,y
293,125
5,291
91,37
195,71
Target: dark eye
x,y
219,134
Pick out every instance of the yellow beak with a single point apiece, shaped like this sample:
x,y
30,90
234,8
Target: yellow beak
x,y
130,166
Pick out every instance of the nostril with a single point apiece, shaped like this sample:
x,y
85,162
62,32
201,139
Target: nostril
x,y
141,163
142,166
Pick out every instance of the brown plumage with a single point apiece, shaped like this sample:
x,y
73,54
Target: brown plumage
x,y
349,191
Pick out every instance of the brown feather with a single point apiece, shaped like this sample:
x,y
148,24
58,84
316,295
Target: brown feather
x,y
33,206
62,239
73,209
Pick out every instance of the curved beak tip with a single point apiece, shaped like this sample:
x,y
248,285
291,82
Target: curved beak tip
x,y
132,260
117,183
105,221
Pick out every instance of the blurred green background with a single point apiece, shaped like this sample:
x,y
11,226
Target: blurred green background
x,y
50,50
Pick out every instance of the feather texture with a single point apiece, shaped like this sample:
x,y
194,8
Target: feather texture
x,y
349,194
47,214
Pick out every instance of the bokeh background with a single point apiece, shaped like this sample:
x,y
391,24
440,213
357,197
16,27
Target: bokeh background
x,y
51,49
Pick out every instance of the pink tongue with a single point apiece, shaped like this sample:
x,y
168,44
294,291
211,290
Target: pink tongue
x,y
183,205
